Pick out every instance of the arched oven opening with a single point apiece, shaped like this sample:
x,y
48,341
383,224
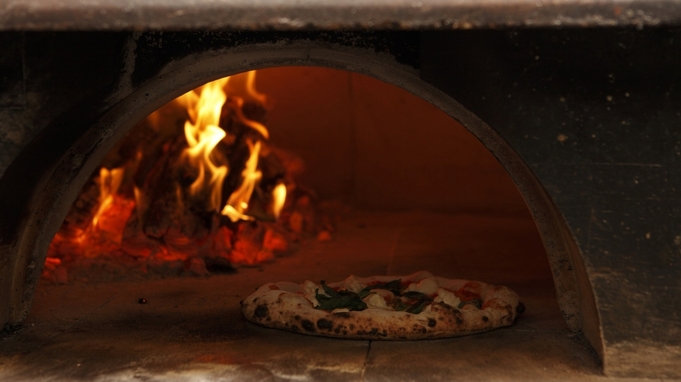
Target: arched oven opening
x,y
371,145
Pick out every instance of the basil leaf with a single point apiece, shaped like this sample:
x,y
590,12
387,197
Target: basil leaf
x,y
364,292
338,299
414,295
398,304
418,306
393,286
321,297
328,290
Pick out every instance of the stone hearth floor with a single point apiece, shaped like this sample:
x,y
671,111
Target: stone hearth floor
x,y
191,329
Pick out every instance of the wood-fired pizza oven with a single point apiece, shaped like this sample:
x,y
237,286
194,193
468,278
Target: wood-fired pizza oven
x,y
578,103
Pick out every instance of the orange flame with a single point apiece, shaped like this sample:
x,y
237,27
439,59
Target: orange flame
x,y
255,125
250,88
278,199
238,200
242,89
109,182
203,134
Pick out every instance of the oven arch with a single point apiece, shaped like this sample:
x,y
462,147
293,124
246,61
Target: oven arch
x,y
56,190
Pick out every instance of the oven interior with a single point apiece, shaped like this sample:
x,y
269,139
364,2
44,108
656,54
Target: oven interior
x,y
412,189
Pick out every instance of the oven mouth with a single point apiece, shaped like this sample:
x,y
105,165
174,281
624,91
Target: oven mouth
x,y
84,154
189,189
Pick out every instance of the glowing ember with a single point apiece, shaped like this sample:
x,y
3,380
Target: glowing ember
x,y
189,163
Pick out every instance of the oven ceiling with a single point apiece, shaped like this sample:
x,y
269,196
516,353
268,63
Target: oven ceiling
x,y
337,14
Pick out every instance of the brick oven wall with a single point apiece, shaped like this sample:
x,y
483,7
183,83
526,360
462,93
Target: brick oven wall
x,y
593,114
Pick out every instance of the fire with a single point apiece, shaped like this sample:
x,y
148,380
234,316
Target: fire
x,y
238,201
109,182
165,201
278,199
203,134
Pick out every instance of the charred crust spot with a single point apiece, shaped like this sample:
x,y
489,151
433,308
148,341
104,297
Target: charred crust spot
x,y
342,314
520,309
423,329
372,332
352,326
457,317
345,332
432,322
297,318
294,328
337,330
485,318
324,324
255,299
261,311
308,325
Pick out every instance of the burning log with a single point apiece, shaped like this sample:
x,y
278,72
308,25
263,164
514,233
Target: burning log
x,y
193,189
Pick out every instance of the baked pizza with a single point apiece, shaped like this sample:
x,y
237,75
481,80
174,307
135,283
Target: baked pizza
x,y
418,306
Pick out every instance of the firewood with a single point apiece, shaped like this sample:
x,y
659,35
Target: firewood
x,y
162,190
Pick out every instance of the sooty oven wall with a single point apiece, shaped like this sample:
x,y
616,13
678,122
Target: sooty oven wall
x,y
594,114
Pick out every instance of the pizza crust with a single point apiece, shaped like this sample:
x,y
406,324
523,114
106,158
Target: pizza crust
x,y
284,306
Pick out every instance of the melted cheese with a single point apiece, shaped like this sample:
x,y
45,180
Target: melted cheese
x,y
310,288
375,301
386,294
353,284
448,297
427,286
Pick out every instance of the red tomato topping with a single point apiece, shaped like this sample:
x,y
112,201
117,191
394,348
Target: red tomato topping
x,y
468,292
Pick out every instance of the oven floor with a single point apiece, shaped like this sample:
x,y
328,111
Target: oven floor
x,y
191,329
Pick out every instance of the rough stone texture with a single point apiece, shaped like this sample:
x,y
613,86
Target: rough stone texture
x,y
595,115
305,14
192,328
46,74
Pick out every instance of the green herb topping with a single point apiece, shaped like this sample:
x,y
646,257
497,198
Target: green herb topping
x,y
410,302
342,299
475,302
